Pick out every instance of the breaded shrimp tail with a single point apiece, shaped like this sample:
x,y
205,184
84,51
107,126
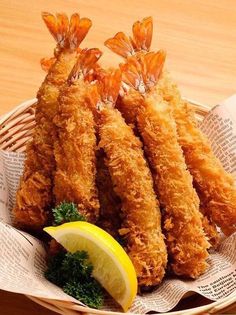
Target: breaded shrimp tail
x,y
140,45
34,197
127,46
134,79
131,177
68,34
110,205
75,146
186,242
215,186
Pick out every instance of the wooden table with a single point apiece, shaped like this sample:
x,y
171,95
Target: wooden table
x,y
199,36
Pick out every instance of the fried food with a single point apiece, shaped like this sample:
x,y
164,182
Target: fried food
x,y
171,94
110,205
214,185
139,45
126,46
75,145
186,242
34,196
131,177
210,230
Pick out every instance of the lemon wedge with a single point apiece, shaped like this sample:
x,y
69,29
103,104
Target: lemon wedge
x,y
112,267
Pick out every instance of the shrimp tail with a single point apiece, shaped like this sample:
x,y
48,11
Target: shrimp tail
x,y
143,72
121,44
154,63
128,46
109,83
85,64
68,33
142,34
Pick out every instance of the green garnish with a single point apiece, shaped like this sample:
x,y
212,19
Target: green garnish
x,y
66,212
73,273
89,293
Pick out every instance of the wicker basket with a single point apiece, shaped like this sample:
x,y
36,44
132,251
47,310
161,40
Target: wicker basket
x,y
15,130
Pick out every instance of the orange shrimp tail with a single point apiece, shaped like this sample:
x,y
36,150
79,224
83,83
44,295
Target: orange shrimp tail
x,y
142,34
132,74
57,26
143,72
67,33
121,45
153,65
78,30
85,64
126,46
109,83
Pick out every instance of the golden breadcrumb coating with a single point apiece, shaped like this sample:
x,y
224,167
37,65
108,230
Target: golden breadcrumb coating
x,y
139,45
186,242
132,182
215,186
110,205
127,105
75,149
210,230
129,109
34,197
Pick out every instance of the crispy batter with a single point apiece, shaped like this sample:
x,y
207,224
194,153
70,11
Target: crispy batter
x,y
75,146
186,242
139,45
129,109
110,205
127,105
185,239
170,93
210,230
214,185
133,183
34,197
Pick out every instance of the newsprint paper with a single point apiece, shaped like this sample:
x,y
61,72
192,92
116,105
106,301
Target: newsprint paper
x,y
22,257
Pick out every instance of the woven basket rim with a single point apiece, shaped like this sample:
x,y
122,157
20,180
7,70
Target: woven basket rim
x,y
62,307
24,104
210,308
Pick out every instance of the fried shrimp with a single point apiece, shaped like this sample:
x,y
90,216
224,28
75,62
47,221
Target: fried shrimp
x,y
75,146
131,177
139,45
125,47
186,242
210,230
110,206
34,196
214,185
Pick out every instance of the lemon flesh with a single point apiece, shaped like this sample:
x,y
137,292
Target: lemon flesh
x,y
112,267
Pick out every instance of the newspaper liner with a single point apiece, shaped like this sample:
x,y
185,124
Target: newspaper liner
x,y
23,257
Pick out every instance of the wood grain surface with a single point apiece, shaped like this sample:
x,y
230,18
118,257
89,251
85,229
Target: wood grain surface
x,y
199,36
